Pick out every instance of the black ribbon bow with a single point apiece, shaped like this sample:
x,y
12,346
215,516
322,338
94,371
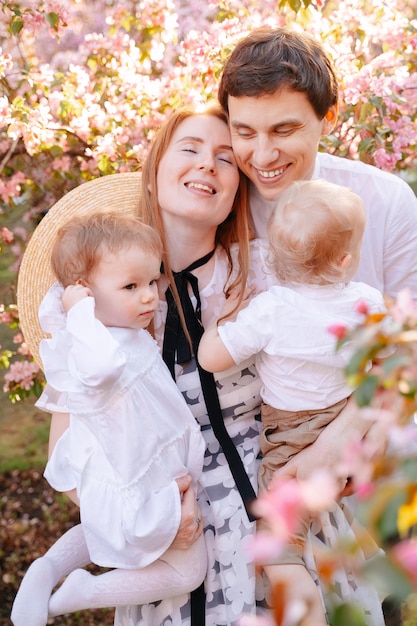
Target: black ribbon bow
x,y
176,348
176,343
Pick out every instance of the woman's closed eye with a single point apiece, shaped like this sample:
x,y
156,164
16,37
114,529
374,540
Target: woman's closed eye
x,y
226,158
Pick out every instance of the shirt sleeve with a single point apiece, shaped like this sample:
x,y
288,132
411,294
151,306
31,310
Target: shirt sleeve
x,y
400,254
250,332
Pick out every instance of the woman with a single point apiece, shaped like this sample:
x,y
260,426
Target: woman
x,y
189,183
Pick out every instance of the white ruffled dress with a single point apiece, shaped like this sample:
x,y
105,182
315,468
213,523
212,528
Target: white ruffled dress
x,y
131,433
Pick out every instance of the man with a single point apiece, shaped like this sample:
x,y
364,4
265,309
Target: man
x,y
280,91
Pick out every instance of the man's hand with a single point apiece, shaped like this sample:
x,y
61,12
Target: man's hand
x,y
327,450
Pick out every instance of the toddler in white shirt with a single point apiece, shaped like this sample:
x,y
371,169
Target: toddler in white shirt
x,y
315,235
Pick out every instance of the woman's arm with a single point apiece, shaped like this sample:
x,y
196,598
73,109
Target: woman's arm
x,y
327,450
59,424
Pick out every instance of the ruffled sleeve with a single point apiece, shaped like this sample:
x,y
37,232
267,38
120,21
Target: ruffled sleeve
x,y
81,351
95,358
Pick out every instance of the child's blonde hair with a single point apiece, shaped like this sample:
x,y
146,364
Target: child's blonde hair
x,y
82,242
312,228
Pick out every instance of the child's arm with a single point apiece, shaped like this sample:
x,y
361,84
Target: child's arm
x,y
213,355
94,356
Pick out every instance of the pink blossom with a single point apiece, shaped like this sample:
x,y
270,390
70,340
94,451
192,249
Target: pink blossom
x,y
404,308
280,506
357,462
362,307
6,235
22,374
265,545
253,620
384,160
23,350
405,554
338,330
320,491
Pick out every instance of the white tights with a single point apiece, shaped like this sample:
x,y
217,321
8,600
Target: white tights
x,y
174,573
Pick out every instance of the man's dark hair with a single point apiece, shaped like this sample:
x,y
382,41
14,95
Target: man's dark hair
x,y
270,59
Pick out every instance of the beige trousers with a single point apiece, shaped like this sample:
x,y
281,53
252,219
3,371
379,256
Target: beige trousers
x,y
284,434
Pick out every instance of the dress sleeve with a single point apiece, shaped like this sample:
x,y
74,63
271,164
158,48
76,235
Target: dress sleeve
x,y
94,356
260,276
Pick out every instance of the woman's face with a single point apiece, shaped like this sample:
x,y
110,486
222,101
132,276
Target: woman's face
x,y
197,176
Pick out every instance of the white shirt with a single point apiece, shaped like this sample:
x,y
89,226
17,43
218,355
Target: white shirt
x,y
389,252
295,354
131,433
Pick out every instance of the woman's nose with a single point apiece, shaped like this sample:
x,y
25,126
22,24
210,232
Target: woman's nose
x,y
207,164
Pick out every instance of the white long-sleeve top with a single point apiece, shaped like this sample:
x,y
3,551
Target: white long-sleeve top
x,y
389,249
131,433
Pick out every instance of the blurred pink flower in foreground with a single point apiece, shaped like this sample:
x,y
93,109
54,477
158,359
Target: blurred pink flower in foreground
x,y
405,553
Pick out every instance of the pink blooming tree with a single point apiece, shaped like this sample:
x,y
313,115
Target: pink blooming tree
x,y
84,84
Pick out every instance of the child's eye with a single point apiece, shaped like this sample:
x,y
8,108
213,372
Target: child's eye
x,y
130,286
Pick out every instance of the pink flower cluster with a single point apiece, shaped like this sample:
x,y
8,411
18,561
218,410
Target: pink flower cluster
x,y
21,374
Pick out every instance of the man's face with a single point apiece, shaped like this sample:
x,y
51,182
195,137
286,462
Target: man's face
x,y
275,138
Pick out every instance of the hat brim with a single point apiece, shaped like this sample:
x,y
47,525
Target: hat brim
x,y
116,192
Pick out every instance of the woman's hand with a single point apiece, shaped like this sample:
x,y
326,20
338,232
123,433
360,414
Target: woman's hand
x,y
230,309
191,524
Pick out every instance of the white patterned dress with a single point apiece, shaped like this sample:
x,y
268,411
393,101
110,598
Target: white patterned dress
x,y
231,586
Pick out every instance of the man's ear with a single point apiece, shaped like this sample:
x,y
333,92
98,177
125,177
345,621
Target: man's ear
x,y
330,119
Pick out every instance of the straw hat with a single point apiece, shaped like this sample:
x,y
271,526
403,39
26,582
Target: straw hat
x,y
116,192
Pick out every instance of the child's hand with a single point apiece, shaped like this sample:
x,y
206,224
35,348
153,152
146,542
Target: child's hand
x,y
230,304
73,294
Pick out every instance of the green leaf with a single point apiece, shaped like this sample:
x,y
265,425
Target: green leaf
x,y
52,19
366,390
392,363
384,574
347,615
16,25
387,524
409,469
358,359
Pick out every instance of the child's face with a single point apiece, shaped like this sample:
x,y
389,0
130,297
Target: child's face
x,y
125,289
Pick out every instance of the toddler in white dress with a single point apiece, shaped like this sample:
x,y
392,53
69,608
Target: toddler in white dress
x,y
132,440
